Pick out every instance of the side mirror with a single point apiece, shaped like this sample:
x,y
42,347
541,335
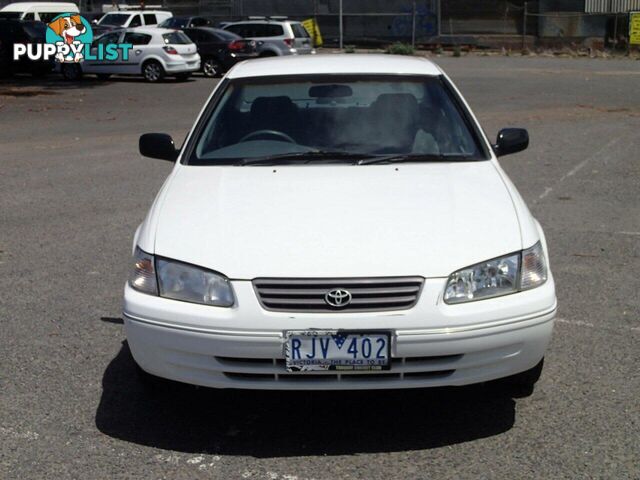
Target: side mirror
x,y
94,21
511,140
158,145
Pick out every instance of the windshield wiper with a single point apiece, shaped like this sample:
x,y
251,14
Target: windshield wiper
x,y
305,157
412,157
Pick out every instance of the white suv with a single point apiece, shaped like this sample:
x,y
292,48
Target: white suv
x,y
130,19
273,37
339,222
156,53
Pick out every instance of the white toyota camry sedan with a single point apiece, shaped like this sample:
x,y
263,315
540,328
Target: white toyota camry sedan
x,y
338,222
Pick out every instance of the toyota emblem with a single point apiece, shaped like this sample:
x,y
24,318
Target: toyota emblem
x,y
338,298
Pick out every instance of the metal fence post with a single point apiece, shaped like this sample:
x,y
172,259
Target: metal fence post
x,y
340,27
413,24
524,27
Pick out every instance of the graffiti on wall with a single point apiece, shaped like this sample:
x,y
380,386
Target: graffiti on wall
x,y
426,22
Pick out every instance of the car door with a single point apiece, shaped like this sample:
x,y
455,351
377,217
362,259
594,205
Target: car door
x,y
135,21
102,65
208,44
137,54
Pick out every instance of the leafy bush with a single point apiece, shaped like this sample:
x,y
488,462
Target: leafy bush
x,y
399,48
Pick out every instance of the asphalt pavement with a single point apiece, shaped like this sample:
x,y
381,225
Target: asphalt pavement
x,y
73,188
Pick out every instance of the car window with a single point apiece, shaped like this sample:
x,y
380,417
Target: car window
x,y
30,16
176,38
114,19
268,30
36,31
225,36
10,15
299,31
238,29
358,114
136,21
150,19
136,38
199,22
112,37
46,17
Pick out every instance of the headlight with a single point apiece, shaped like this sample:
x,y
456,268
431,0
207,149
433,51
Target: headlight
x,y
179,281
500,276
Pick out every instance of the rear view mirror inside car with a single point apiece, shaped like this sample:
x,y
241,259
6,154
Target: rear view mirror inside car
x,y
330,91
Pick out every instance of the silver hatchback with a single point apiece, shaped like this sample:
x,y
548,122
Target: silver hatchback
x,y
275,37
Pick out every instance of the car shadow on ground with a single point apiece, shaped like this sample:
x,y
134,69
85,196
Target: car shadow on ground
x,y
265,424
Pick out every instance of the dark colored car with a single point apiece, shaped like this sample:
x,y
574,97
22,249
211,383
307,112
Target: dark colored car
x,y
185,22
220,50
17,31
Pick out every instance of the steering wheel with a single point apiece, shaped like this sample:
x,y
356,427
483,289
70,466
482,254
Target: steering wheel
x,y
273,133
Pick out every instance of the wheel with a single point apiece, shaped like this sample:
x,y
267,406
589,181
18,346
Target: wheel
x,y
181,77
211,68
522,384
71,72
152,71
103,76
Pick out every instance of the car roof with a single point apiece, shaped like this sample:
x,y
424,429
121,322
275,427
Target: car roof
x,y
335,63
21,6
262,21
151,30
131,12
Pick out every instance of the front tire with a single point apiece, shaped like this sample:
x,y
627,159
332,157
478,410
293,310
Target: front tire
x,y
152,71
211,68
71,72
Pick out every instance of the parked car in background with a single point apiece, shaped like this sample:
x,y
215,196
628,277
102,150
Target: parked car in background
x,y
275,37
156,53
220,50
130,19
18,31
38,11
334,223
185,22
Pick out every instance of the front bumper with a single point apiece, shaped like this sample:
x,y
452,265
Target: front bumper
x,y
434,344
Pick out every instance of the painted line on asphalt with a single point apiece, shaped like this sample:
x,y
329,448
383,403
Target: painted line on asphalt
x,y
577,168
581,323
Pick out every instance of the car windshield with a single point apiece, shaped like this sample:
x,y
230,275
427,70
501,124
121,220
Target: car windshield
x,y
176,38
10,15
357,114
114,19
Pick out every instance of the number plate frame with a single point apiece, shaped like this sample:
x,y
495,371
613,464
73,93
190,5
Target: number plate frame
x,y
324,367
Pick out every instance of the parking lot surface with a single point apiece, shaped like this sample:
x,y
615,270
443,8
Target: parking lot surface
x,y
73,189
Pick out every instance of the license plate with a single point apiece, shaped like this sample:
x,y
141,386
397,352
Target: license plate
x,y
316,350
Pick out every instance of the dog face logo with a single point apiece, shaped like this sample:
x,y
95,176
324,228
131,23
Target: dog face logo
x,y
68,27
69,32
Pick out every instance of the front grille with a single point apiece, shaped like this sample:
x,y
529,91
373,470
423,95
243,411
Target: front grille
x,y
367,294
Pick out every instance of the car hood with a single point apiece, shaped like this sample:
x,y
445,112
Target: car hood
x,y
337,221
